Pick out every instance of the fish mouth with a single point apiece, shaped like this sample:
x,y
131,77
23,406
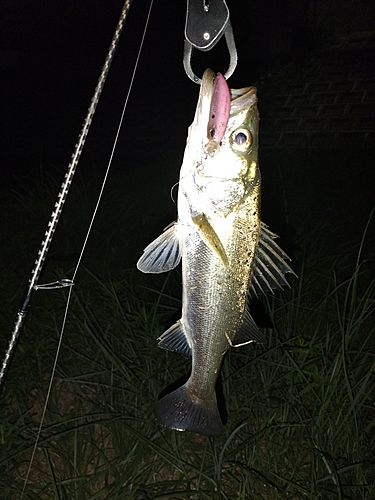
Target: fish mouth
x,y
215,106
215,99
219,108
243,99
239,98
207,85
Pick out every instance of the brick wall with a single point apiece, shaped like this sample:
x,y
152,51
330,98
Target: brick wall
x,y
327,101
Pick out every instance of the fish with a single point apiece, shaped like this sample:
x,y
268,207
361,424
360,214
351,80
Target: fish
x,y
228,255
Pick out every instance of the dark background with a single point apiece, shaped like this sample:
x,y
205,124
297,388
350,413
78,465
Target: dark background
x,y
312,64
51,56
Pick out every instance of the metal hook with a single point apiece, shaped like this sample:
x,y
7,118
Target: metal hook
x,y
188,49
206,22
54,285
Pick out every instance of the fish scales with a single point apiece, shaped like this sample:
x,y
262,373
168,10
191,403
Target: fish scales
x,y
215,295
227,253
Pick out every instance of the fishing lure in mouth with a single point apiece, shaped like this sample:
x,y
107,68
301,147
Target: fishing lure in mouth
x,y
219,112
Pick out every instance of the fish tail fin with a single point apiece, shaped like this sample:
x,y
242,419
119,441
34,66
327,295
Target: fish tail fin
x,y
182,411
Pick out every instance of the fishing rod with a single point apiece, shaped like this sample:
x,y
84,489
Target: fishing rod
x,y
62,282
33,285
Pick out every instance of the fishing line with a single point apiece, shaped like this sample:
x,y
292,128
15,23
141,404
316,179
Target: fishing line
x,y
84,246
171,191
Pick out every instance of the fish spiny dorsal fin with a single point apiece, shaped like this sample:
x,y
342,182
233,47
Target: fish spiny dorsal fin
x,y
174,339
163,254
270,265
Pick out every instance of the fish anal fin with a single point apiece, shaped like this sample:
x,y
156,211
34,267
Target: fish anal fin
x,y
174,339
163,254
182,411
271,265
210,237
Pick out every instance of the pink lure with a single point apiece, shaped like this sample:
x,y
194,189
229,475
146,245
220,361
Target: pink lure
x,y
219,110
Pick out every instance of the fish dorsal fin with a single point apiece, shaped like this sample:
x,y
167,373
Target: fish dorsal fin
x,y
210,238
270,265
248,332
163,254
175,339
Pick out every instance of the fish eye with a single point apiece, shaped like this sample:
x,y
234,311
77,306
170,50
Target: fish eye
x,y
242,139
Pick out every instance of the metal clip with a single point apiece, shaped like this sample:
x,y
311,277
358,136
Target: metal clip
x,y
206,22
54,285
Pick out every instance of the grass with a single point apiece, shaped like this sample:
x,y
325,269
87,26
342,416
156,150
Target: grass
x,y
300,407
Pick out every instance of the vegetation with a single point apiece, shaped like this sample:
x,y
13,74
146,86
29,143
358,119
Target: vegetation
x,y
300,408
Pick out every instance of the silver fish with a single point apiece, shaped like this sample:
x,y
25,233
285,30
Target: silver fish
x,y
227,253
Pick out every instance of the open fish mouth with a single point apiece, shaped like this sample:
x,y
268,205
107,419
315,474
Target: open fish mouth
x,y
217,102
243,99
215,99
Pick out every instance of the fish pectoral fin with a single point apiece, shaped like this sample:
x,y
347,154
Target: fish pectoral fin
x,y
174,339
210,238
270,265
248,332
163,254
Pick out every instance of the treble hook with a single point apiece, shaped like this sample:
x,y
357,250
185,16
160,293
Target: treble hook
x,y
206,22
